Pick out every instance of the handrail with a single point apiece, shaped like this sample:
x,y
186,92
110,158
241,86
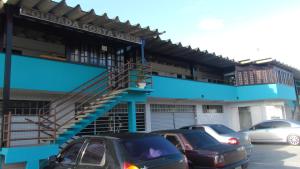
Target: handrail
x,y
96,89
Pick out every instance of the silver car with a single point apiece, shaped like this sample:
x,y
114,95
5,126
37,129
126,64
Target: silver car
x,y
277,131
224,135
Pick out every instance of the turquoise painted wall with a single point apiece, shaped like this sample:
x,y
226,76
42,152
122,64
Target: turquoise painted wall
x,y
2,60
172,88
41,74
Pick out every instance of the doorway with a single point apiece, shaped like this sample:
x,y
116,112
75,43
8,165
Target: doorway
x,y
245,118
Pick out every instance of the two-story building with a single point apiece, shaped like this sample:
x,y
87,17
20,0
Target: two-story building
x,y
68,72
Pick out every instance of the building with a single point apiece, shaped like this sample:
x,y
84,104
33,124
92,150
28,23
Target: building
x,y
68,72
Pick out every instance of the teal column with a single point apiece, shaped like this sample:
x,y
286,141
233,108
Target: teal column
x,y
131,117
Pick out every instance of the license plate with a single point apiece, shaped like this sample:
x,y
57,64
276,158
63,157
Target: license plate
x,y
240,167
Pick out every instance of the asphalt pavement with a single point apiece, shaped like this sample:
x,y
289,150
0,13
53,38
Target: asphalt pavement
x,y
275,156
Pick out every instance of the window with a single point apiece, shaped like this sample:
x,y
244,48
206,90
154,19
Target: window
x,y
265,125
174,140
198,128
212,108
69,155
170,108
28,108
200,139
94,154
148,148
221,129
281,124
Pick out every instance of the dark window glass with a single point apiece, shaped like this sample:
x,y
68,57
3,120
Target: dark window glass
x,y
198,128
281,124
221,129
200,139
265,125
94,153
69,155
148,148
174,140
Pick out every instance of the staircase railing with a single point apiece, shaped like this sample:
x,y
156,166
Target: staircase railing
x,y
62,111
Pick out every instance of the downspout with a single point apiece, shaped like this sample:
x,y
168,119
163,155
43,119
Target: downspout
x,y
297,99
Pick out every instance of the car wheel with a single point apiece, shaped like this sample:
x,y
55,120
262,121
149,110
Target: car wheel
x,y
293,140
245,166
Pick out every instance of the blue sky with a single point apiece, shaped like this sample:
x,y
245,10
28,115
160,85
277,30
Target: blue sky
x,y
239,29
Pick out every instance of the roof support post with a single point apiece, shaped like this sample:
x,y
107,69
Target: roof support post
x,y
2,31
7,66
132,117
143,42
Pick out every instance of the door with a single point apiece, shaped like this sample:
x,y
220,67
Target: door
x,y
184,119
261,132
95,156
245,118
280,131
165,116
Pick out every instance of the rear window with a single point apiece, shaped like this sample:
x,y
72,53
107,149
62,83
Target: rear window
x,y
200,139
221,129
148,148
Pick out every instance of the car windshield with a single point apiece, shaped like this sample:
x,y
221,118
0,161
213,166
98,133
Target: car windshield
x,y
148,148
221,129
200,139
296,122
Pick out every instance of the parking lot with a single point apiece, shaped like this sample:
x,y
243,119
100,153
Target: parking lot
x,y
274,156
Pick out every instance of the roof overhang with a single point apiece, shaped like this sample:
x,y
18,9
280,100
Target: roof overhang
x,y
62,14
177,51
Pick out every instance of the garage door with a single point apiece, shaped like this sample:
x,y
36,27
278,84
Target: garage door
x,y
165,116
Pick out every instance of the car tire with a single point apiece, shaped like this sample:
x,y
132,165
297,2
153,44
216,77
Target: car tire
x,y
293,140
245,166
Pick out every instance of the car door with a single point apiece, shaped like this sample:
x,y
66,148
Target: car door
x,y
67,159
280,131
261,132
95,155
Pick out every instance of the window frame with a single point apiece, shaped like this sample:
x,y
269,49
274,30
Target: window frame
x,y
83,141
85,148
178,138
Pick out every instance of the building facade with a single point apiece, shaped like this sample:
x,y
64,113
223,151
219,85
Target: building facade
x,y
67,72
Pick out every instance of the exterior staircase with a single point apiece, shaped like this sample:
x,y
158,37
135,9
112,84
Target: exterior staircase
x,y
69,114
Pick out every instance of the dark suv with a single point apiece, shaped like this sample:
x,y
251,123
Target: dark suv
x,y
205,152
122,151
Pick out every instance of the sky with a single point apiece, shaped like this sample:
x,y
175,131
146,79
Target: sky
x,y
238,29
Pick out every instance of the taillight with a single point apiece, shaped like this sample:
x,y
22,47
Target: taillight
x,y
233,141
129,166
219,161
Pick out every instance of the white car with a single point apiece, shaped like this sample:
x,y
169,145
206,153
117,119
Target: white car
x,y
224,134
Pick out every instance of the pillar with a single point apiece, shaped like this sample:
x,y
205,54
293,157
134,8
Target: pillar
x,y
132,116
148,117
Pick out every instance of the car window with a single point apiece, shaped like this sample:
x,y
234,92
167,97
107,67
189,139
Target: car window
x,y
221,129
94,153
264,125
198,128
200,139
281,124
174,140
185,128
148,148
69,155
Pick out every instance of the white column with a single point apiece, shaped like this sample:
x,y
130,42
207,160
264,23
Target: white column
x,y
148,117
199,112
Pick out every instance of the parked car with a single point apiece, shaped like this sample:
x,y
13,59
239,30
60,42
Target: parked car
x,y
203,151
276,131
225,135
122,151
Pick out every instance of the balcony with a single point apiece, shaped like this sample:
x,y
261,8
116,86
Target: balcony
x,y
30,73
172,88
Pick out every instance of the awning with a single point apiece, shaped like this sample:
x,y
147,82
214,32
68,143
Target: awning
x,y
167,48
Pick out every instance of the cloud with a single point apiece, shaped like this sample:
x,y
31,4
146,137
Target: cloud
x,y
211,24
275,36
